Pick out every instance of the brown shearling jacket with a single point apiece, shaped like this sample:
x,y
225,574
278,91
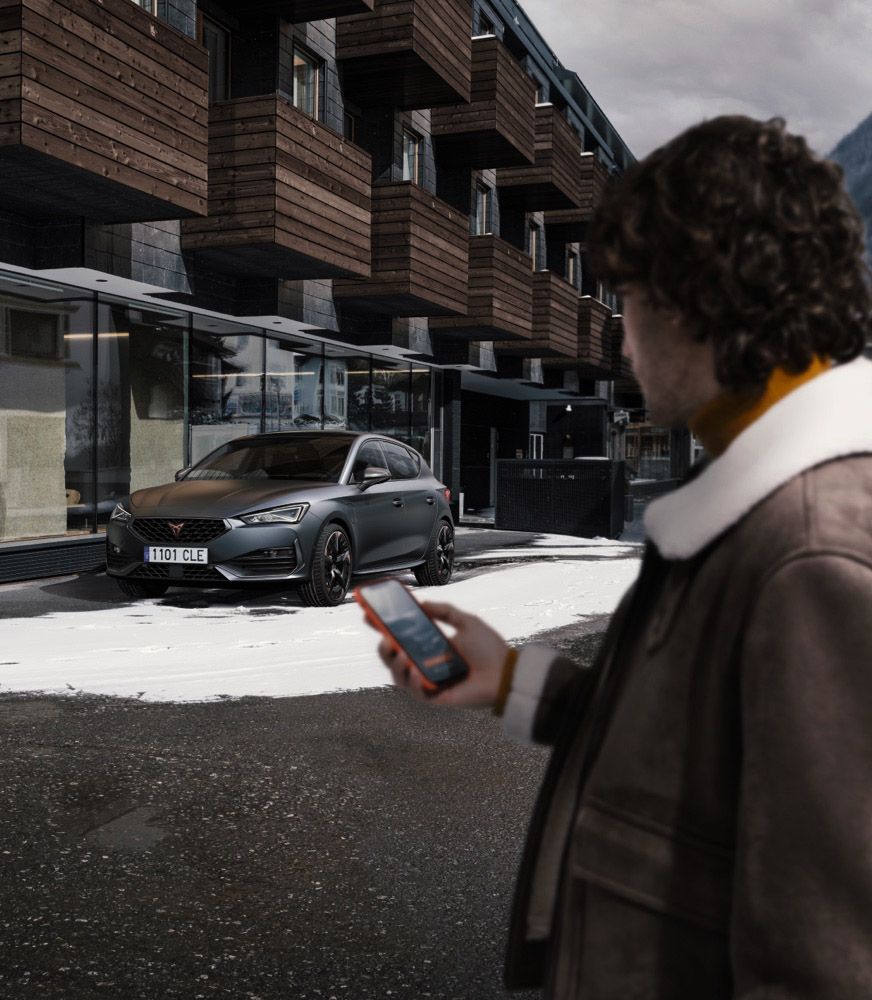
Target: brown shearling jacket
x,y
705,826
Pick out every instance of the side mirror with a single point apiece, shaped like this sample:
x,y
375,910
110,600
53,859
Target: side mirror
x,y
182,473
372,476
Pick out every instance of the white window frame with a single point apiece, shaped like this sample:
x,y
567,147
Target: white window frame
x,y
412,160
303,57
483,209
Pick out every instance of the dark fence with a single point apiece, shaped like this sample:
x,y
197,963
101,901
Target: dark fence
x,y
584,496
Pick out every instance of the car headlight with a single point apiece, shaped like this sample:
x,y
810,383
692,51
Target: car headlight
x,y
278,515
121,513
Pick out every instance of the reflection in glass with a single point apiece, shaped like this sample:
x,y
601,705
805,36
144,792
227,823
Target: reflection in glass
x,y
346,393
226,389
390,399
293,388
140,400
45,450
421,412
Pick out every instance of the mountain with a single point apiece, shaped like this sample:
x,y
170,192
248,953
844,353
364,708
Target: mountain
x,y
854,154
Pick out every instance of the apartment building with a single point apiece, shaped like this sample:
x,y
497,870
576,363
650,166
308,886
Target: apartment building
x,y
223,218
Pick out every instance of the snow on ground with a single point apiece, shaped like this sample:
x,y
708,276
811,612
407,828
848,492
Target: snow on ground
x,y
567,546
161,652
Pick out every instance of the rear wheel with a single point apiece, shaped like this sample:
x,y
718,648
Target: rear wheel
x,y
438,566
141,588
331,569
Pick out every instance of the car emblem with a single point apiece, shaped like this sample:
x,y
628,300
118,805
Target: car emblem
x,y
176,529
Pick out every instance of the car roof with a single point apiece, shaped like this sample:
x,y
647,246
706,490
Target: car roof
x,y
351,435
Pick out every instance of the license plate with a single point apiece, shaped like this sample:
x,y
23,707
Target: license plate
x,y
174,554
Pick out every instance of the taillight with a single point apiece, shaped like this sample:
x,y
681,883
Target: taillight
x,y
447,494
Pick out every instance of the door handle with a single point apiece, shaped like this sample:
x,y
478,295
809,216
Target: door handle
x,y
397,503
431,501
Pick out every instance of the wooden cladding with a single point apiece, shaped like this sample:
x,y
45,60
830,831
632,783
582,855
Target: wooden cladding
x,y
622,370
420,258
553,181
555,320
571,224
103,112
500,294
498,128
407,53
298,11
595,339
288,197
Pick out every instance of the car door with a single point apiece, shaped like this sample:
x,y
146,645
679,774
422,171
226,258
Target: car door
x,y
374,511
418,500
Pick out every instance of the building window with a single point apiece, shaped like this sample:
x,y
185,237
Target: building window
x,y
534,243
149,5
413,165
216,39
307,74
573,268
541,91
350,126
483,210
485,25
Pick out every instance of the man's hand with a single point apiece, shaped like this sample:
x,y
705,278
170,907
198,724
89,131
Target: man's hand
x,y
483,649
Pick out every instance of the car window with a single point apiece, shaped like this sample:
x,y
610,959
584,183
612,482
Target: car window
x,y
370,454
305,459
402,464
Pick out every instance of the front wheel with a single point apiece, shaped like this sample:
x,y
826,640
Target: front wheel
x,y
331,569
438,565
141,588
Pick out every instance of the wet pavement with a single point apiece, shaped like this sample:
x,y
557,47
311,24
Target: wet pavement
x,y
354,845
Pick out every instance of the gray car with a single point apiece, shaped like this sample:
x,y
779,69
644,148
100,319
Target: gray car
x,y
307,508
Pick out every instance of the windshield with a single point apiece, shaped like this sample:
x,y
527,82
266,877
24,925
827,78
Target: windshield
x,y
301,458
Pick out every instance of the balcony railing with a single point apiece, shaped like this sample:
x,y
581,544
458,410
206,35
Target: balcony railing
x,y
298,11
420,259
497,128
500,294
555,320
104,112
553,181
595,339
570,225
288,197
407,53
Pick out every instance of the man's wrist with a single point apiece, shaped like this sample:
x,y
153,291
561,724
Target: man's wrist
x,y
506,678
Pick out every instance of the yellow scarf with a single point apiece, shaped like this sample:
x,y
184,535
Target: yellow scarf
x,y
727,415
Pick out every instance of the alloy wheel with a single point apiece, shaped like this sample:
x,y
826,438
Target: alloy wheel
x,y
445,551
337,565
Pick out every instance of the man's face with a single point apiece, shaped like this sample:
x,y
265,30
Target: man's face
x,y
676,372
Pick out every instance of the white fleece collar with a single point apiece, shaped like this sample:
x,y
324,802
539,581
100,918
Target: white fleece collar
x,y
826,418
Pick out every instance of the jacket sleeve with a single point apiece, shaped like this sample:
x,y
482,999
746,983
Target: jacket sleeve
x,y
802,902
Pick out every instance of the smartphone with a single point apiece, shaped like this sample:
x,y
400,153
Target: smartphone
x,y
393,610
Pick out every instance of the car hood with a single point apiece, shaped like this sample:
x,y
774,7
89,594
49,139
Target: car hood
x,y
222,497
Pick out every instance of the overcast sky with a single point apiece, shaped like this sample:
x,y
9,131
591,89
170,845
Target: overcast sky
x,y
658,66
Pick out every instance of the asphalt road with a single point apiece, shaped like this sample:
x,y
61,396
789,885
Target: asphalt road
x,y
355,845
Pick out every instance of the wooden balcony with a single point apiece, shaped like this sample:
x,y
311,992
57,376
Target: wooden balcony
x,y
500,294
407,53
288,197
103,112
595,339
553,180
621,369
298,11
497,128
420,259
555,321
570,225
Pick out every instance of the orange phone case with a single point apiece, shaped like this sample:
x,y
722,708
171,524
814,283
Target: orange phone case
x,y
374,620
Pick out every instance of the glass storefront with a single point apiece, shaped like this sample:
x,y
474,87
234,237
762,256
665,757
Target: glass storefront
x,y
101,396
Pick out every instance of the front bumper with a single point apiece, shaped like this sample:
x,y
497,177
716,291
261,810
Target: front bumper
x,y
241,553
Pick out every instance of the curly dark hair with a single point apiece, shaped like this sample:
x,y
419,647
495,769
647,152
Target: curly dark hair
x,y
751,238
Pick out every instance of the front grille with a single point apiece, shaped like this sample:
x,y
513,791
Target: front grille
x,y
115,560
194,530
200,574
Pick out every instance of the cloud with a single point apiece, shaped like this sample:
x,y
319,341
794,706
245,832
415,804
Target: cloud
x,y
658,66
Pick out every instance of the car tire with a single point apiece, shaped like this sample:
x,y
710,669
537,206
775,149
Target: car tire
x,y
141,588
438,564
331,568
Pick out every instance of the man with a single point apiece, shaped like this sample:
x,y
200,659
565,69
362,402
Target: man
x,y
704,829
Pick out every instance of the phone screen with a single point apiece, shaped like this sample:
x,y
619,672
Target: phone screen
x,y
424,643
